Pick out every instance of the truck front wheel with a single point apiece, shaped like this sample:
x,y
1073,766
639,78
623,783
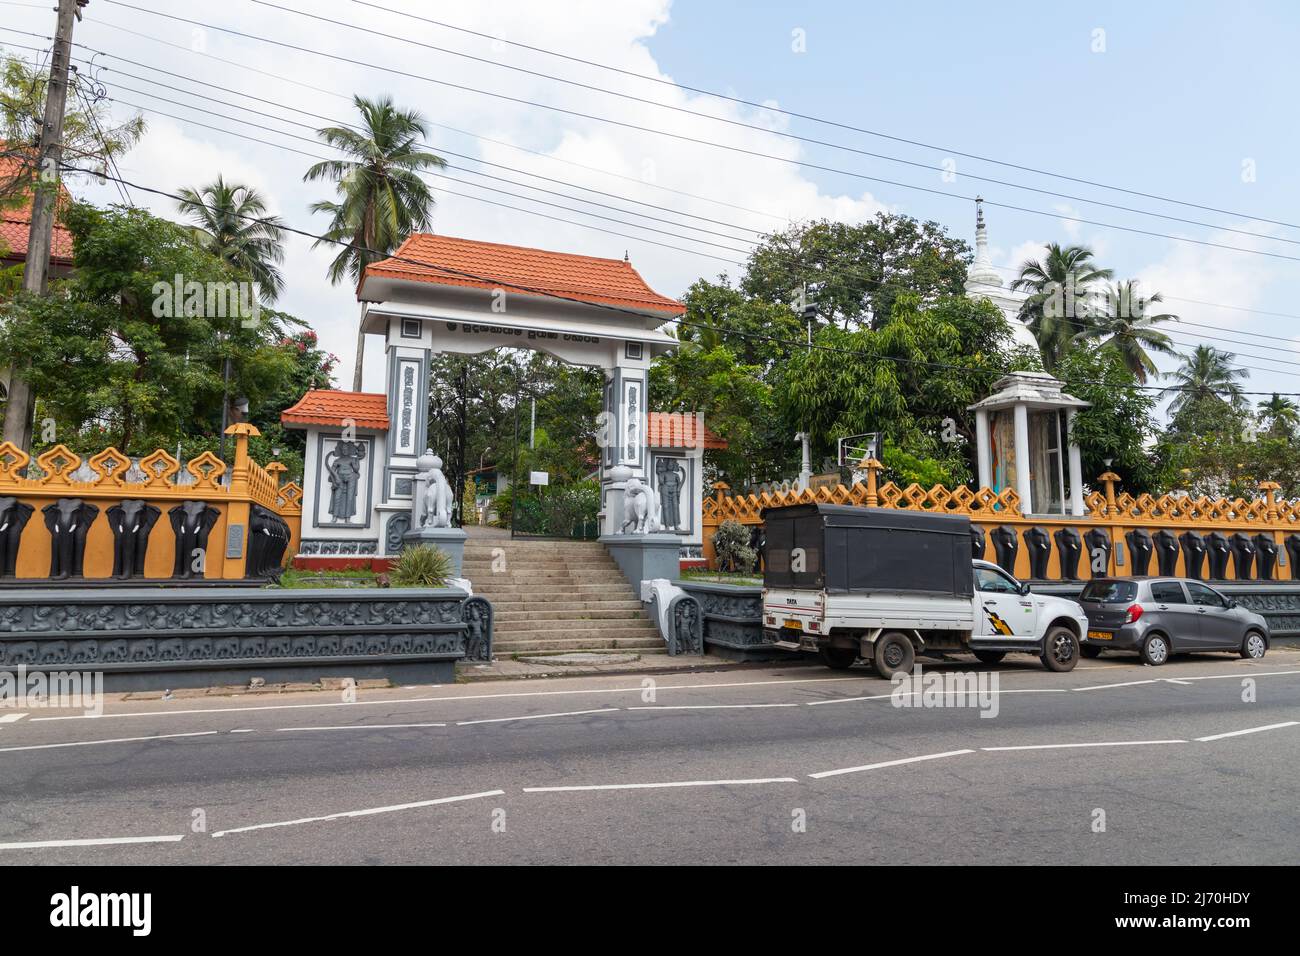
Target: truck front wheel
x,y
893,654
1060,649
837,658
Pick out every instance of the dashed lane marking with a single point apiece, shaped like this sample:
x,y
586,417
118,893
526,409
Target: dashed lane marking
x,y
1099,743
371,811
100,841
658,786
11,718
1248,730
888,763
356,727
501,720
115,740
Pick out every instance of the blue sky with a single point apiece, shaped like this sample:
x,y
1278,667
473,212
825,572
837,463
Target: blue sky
x,y
1181,96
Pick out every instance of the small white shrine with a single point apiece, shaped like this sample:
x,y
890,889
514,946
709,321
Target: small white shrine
x,y
1022,441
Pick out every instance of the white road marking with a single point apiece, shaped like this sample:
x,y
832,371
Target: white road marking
x,y
571,713
1239,675
372,811
1171,680
1131,683
244,730
358,727
888,763
1249,730
656,786
103,841
1100,743
847,700
11,718
708,706
426,700
115,740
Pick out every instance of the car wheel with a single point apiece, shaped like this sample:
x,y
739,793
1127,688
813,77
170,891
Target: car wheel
x,y
1090,651
893,655
1155,650
837,658
990,657
1060,649
1254,645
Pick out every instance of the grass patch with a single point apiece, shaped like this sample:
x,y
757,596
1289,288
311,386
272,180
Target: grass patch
x,y
348,578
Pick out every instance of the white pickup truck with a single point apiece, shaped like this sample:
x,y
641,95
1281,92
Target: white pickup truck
x,y
883,585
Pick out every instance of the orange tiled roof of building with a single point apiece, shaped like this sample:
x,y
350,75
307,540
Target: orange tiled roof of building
x,y
16,221
680,430
494,265
327,406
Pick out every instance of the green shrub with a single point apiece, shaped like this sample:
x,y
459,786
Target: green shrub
x,y
731,544
421,566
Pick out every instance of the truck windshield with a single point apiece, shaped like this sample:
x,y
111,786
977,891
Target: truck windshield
x,y
1109,592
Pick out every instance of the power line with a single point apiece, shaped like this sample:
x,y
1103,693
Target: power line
x,y
603,172
752,126
725,146
860,276
816,119
531,290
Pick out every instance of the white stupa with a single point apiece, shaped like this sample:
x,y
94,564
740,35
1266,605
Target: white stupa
x,y
983,282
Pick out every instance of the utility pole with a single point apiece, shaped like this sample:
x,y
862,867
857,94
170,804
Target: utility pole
x,y
45,198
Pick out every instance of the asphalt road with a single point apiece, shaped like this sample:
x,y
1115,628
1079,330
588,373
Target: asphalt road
x,y
1114,763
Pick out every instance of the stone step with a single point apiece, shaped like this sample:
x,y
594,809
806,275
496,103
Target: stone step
x,y
539,564
540,547
517,600
568,614
556,631
526,648
559,607
558,577
489,587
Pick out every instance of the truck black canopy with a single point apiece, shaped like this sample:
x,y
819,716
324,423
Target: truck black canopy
x,y
848,549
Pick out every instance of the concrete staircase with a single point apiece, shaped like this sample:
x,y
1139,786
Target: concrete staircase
x,y
555,597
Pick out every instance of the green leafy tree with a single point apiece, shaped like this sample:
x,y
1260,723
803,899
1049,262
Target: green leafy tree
x,y
1206,374
854,272
1119,424
91,138
1058,287
1128,327
382,196
114,362
231,221
1282,415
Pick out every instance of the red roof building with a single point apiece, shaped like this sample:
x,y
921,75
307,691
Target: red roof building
x,y
335,409
16,224
520,270
680,430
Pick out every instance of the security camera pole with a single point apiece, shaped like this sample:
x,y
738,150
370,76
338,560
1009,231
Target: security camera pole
x,y
18,411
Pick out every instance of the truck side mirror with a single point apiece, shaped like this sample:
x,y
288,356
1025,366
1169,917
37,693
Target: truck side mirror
x,y
1024,589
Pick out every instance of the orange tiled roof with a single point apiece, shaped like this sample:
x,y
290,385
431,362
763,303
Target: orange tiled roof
x,y
16,222
586,278
680,430
327,406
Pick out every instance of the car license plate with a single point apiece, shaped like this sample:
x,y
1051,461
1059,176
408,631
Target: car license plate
x,y
1100,636
794,622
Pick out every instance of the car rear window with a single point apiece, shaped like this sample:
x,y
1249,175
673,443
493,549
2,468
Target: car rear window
x,y
1109,592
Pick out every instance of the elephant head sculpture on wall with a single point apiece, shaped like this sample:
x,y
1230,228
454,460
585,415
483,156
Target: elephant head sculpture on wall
x,y
68,520
131,522
13,518
192,521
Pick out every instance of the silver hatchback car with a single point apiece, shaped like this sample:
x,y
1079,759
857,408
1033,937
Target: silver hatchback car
x,y
1158,617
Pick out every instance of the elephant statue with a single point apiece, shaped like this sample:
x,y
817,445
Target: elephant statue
x,y
14,515
1039,547
1069,548
1218,549
1099,549
131,522
68,520
1006,545
192,521
1266,548
1140,548
1194,549
1243,556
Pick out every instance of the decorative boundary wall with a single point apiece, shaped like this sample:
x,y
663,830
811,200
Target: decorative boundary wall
x,y
1211,539
153,479
151,638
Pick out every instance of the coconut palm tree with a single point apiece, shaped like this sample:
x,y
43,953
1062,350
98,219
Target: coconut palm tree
x,y
1206,373
1282,414
382,197
1058,288
230,221
1127,327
